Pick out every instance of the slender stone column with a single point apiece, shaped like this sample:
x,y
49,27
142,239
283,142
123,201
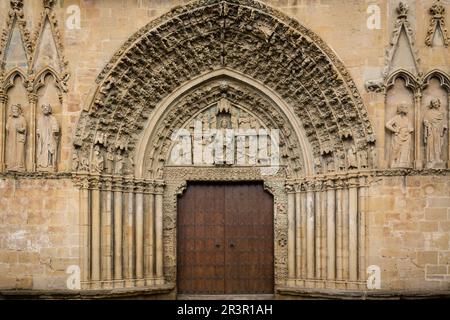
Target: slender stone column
x,y
95,216
418,161
318,233
159,233
149,230
331,235
85,232
33,102
303,213
3,101
298,233
140,237
345,233
106,238
310,234
291,233
339,227
362,199
128,237
118,276
323,234
353,230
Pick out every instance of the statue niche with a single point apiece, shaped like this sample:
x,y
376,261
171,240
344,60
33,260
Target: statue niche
x,y
402,130
47,131
16,135
435,128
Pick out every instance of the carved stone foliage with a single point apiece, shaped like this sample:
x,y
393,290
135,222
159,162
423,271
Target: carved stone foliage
x,y
245,36
33,74
437,26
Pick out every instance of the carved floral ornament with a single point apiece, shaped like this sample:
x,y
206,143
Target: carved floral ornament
x,y
252,39
437,22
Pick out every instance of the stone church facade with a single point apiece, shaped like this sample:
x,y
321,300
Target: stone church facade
x,y
94,95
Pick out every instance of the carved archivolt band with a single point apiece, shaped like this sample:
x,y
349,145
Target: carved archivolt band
x,y
251,39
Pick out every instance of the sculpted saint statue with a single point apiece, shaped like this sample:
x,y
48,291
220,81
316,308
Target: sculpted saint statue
x,y
47,131
98,162
16,135
434,133
401,129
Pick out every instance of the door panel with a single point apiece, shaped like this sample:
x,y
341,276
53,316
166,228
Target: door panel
x,y
225,239
200,231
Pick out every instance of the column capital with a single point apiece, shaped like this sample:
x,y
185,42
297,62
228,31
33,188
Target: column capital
x,y
418,95
3,97
32,97
159,187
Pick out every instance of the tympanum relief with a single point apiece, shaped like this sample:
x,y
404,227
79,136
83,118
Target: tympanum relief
x,y
224,134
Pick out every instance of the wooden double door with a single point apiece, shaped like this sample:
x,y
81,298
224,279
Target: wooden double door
x,y
225,239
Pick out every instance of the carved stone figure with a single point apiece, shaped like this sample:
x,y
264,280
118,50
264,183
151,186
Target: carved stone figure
x,y
97,163
16,135
118,166
363,158
110,160
372,155
224,146
351,158
401,129
435,128
75,161
47,131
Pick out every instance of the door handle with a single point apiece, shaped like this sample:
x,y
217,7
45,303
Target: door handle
x,y
231,245
217,245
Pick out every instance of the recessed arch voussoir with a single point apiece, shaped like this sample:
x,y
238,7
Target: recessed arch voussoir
x,y
245,36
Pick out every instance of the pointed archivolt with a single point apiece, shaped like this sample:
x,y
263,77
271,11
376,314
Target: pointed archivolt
x,y
49,51
437,34
15,44
402,53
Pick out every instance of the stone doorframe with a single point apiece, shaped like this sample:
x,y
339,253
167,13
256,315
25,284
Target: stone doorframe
x,y
122,145
176,180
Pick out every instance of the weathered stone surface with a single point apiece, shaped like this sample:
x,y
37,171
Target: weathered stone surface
x,y
123,83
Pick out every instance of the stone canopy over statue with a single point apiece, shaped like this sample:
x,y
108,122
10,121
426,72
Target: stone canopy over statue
x,y
47,132
16,135
435,128
401,142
